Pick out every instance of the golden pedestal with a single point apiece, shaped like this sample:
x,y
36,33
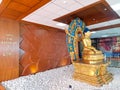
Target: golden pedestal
x,y
96,75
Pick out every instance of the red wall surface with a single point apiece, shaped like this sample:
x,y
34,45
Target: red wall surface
x,y
44,49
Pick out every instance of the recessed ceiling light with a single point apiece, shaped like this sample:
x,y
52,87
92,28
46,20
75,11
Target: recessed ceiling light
x,y
93,19
64,1
61,24
105,9
116,7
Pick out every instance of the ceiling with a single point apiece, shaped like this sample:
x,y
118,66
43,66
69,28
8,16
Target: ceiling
x,y
92,14
17,9
45,12
58,8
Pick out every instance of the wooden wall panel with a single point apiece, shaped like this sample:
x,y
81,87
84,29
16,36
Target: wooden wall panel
x,y
9,49
44,49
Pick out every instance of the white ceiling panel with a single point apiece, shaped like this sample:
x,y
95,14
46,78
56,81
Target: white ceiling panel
x,y
98,25
64,3
52,8
70,5
86,2
36,18
74,7
30,17
116,21
118,12
113,2
46,14
112,22
53,0
62,12
52,23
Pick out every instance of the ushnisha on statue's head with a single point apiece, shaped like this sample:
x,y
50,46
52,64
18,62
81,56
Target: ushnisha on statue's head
x,y
86,30
87,33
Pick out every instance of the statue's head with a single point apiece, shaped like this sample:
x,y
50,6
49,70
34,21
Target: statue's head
x,y
87,33
85,30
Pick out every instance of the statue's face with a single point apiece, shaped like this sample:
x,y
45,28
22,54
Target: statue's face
x,y
87,34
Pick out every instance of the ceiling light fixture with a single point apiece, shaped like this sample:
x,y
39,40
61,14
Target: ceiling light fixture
x,y
93,19
116,7
64,1
105,9
61,24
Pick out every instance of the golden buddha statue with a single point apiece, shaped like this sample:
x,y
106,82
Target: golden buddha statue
x,y
91,68
90,54
87,44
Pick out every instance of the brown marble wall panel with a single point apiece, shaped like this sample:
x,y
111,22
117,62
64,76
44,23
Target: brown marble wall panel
x,y
9,49
44,49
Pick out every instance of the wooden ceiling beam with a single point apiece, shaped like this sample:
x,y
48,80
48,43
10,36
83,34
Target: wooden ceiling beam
x,y
40,4
4,5
105,27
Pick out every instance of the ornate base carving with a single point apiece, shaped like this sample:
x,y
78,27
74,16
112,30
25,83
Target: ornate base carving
x,y
96,75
